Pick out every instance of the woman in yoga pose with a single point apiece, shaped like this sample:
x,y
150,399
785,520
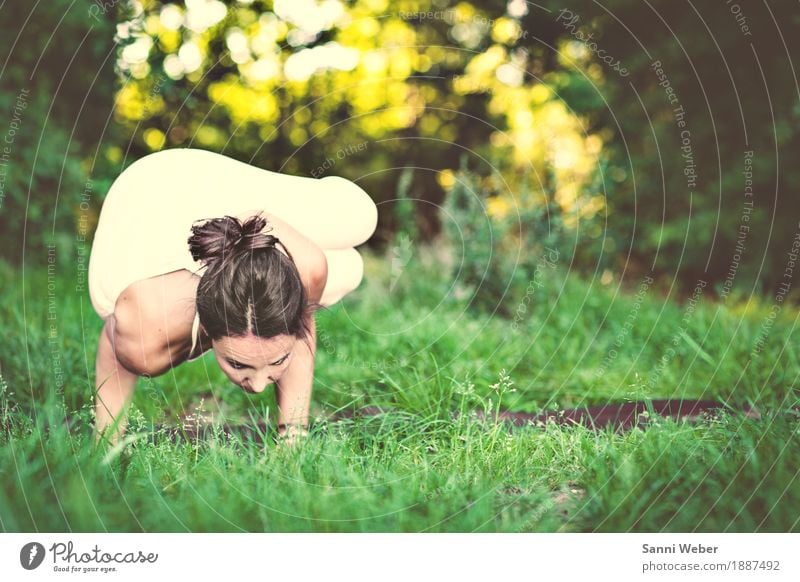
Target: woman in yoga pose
x,y
196,251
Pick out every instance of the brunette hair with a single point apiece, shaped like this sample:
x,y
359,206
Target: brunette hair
x,y
249,285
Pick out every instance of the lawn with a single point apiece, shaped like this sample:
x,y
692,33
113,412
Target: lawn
x,y
411,342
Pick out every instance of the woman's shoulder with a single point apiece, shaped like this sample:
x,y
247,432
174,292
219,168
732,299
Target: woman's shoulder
x,y
153,320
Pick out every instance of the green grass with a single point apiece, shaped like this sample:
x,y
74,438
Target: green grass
x,y
410,342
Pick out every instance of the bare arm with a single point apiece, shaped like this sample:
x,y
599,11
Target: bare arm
x,y
115,386
293,389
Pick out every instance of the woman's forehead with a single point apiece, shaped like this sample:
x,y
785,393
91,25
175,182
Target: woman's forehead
x,y
251,348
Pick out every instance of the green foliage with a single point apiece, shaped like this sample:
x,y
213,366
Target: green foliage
x,y
731,86
56,96
519,88
497,258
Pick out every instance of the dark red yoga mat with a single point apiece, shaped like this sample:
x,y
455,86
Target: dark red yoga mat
x,y
620,417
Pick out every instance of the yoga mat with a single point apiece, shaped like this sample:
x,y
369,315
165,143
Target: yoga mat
x,y
621,417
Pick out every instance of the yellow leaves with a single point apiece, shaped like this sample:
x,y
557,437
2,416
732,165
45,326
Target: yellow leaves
x,y
244,104
481,73
448,132
399,117
566,196
506,30
401,63
521,118
566,152
374,62
465,84
365,70
152,25
131,102
429,124
169,41
265,34
397,33
593,144
246,16
268,133
422,63
298,136
263,73
540,93
140,70
367,97
430,95
506,99
264,107
436,54
556,115
543,133
216,91
114,154
593,206
380,91
319,127
154,138
399,93
209,136
362,32
302,115
464,11
595,73
497,207
484,65
128,102
499,139
446,179
376,6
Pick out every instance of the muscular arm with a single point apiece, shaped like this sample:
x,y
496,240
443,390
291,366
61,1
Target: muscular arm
x,y
132,344
115,386
293,389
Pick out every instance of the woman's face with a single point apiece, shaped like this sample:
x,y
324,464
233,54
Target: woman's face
x,y
253,362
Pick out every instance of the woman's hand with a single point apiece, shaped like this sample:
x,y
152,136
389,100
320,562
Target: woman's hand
x,y
291,434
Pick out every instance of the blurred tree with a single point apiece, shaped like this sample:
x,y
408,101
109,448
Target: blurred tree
x,y
56,97
566,101
676,194
362,89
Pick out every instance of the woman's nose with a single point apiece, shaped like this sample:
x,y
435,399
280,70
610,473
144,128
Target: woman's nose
x,y
259,383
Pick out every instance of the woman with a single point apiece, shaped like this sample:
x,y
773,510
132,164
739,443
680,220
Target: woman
x,y
196,251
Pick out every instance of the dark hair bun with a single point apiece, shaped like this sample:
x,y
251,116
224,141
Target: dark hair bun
x,y
221,239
